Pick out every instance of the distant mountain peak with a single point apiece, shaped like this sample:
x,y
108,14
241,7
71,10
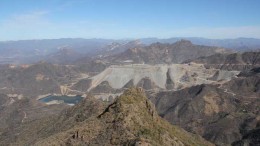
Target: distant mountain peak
x,y
184,42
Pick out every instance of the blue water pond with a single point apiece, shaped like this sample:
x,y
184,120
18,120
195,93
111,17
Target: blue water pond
x,y
64,98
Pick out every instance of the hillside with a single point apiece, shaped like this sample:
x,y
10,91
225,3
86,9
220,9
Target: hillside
x,y
222,114
130,120
235,61
38,79
63,56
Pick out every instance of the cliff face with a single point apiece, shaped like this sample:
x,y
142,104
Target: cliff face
x,y
130,120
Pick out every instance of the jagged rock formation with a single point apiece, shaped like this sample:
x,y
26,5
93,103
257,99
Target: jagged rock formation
x,y
235,61
222,114
130,120
159,53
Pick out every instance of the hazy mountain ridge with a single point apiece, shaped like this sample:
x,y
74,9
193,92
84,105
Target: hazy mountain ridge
x,y
31,51
24,50
238,44
159,53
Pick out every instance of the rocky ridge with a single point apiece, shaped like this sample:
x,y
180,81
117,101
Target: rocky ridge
x,y
130,120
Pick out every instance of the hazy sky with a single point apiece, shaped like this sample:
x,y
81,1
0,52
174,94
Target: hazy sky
x,y
37,19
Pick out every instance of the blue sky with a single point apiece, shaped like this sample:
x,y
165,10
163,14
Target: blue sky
x,y
119,19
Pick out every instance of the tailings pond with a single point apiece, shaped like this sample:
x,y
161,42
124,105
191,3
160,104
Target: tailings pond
x,y
63,98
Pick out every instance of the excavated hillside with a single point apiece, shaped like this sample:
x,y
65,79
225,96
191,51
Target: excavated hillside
x,y
222,114
130,120
151,77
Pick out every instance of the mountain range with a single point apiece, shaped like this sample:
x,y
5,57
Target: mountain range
x,y
32,51
204,95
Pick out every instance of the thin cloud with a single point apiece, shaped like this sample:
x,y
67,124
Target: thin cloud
x,y
37,25
32,15
22,20
27,25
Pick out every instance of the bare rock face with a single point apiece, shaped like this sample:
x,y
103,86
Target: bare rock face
x,y
130,120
